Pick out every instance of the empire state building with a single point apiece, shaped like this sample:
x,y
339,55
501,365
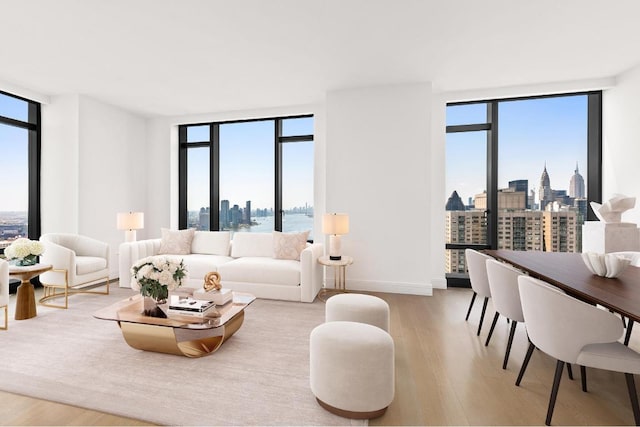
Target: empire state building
x,y
576,185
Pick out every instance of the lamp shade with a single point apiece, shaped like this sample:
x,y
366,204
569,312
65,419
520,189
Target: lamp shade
x,y
335,223
130,220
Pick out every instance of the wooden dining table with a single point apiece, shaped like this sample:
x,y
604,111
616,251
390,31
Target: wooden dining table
x,y
568,272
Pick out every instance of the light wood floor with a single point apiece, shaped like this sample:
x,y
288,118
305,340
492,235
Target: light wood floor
x,y
444,376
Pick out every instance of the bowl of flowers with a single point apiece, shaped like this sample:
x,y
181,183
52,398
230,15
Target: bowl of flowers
x,y
25,252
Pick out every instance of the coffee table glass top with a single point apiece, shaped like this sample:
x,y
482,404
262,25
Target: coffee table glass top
x,y
131,310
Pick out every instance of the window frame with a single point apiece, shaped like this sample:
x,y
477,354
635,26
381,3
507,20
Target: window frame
x,y
34,129
594,162
214,166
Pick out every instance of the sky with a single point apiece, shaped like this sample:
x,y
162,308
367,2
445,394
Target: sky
x,y
14,182
247,165
531,133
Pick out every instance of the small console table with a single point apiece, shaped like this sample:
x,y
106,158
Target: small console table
x,y
339,274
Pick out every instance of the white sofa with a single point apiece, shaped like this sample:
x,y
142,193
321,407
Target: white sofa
x,y
245,264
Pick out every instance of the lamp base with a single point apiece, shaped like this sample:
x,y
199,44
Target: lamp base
x,y
130,235
335,257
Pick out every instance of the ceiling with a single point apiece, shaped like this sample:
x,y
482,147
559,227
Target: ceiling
x,y
173,57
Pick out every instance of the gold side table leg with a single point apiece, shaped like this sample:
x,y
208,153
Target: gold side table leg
x,y
25,301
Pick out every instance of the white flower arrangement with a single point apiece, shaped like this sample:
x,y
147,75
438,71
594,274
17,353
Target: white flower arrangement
x,y
155,276
24,250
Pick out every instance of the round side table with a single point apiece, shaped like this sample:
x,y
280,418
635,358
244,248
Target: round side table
x,y
339,274
25,296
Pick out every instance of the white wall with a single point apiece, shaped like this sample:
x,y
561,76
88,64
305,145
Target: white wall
x,y
94,165
621,141
378,146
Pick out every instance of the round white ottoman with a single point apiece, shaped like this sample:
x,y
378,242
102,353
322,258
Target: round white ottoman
x,y
358,308
352,368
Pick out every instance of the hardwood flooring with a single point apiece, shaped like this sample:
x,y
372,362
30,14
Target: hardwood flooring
x,y
444,376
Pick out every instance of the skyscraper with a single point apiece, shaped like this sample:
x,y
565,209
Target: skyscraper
x,y
454,203
521,185
576,185
545,195
224,215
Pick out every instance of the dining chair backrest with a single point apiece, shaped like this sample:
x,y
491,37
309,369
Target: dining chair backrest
x,y
503,282
477,266
561,325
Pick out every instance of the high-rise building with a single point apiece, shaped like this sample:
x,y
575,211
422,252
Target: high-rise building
x,y
235,216
463,227
576,185
521,185
520,230
225,219
507,199
545,195
247,212
454,203
560,231
204,222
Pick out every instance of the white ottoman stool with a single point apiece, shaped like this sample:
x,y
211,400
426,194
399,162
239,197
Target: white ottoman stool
x,y
358,308
352,369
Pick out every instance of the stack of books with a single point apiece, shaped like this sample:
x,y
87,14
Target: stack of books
x,y
190,307
220,297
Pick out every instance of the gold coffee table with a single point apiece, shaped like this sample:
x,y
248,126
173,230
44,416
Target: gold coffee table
x,y
176,334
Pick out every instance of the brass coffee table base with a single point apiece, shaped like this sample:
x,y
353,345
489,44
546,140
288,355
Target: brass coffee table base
x,y
179,341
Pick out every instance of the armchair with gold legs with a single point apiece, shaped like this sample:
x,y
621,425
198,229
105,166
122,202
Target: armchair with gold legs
x,y
4,292
80,264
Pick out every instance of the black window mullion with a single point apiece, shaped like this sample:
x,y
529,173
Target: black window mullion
x,y
492,175
278,176
214,177
182,177
35,160
594,150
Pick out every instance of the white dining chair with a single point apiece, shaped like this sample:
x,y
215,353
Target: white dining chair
x,y
503,282
588,336
476,264
4,292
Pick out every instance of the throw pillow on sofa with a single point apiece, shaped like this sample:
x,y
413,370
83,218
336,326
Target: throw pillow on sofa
x,y
176,242
289,245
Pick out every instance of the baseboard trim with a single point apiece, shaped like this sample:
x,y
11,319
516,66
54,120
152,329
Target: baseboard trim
x,y
389,287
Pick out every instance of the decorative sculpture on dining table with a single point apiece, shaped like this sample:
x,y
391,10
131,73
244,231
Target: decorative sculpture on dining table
x,y
611,210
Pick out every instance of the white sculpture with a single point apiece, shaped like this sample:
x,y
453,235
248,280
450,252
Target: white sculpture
x,y
605,265
611,210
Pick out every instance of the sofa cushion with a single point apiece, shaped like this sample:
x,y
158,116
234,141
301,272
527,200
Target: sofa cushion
x,y
261,270
289,245
176,242
200,264
89,264
211,242
252,244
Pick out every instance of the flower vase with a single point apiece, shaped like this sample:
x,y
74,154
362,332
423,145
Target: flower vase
x,y
27,261
150,307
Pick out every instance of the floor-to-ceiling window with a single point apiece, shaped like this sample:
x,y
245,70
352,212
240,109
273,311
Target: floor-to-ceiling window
x,y
520,173
257,173
20,166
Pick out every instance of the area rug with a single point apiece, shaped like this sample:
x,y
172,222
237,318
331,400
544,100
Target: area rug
x,y
259,377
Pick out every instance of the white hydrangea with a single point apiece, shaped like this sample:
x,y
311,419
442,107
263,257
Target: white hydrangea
x,y
151,274
22,247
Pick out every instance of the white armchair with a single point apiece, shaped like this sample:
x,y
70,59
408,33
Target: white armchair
x,y
79,264
4,292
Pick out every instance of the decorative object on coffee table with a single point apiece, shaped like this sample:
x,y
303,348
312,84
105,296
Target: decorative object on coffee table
x,y
157,275
212,281
24,251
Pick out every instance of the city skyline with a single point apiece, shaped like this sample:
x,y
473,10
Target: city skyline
x,y
533,133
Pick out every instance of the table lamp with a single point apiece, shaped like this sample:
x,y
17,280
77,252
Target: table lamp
x,y
335,224
130,222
